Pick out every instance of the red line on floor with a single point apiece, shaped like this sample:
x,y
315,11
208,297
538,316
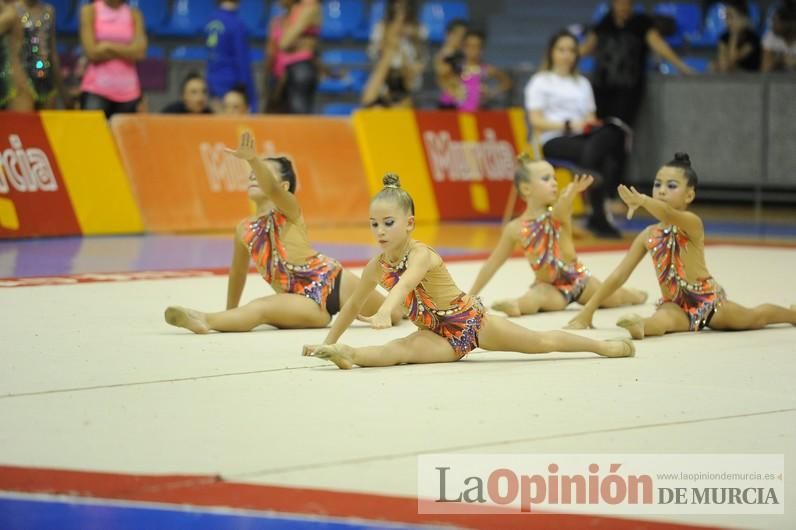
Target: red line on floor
x,y
212,491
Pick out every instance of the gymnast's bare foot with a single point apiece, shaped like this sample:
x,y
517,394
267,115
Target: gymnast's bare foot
x,y
634,324
187,318
510,306
620,348
339,354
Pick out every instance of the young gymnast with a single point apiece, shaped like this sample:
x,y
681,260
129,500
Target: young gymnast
x,y
450,322
544,231
39,57
310,287
692,298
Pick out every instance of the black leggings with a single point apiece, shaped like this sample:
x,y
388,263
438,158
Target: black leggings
x,y
333,300
601,152
299,91
89,101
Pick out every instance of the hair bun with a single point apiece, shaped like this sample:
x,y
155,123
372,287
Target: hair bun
x,y
391,180
683,158
524,158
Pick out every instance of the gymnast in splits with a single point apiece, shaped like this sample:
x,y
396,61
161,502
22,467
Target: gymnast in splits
x,y
309,287
450,322
691,298
544,231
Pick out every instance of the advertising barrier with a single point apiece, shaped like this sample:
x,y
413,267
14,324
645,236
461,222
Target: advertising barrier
x,y
184,180
60,175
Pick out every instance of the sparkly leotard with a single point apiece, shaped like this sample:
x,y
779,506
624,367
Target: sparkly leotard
x,y
699,299
36,52
539,238
266,238
7,91
438,305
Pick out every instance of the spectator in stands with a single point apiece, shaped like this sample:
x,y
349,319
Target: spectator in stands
x,y
449,60
739,46
409,61
10,39
621,42
387,86
229,58
779,42
234,102
474,90
113,39
194,97
562,111
39,58
291,57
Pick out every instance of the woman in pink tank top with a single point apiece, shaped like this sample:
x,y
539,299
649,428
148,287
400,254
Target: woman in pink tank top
x,y
113,39
291,65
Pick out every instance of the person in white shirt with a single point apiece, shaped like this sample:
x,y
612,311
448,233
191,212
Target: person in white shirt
x,y
562,112
779,42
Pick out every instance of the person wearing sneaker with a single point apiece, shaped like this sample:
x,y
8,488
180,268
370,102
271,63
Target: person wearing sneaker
x,y
562,111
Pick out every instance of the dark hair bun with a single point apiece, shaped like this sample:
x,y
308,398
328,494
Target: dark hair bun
x,y
392,180
683,158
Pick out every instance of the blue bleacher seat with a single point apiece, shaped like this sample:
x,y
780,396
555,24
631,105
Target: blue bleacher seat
x,y
256,54
334,86
254,16
339,109
188,17
688,17
586,64
66,17
341,18
351,83
155,13
434,16
189,53
276,11
155,52
699,64
755,16
369,21
341,57
358,80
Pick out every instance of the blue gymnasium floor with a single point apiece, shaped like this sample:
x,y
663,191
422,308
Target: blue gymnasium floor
x,y
109,254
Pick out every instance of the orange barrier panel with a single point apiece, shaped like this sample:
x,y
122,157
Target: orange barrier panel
x,y
34,199
183,180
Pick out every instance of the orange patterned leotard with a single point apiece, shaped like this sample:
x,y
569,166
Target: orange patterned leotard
x,y
438,305
539,238
265,237
699,299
